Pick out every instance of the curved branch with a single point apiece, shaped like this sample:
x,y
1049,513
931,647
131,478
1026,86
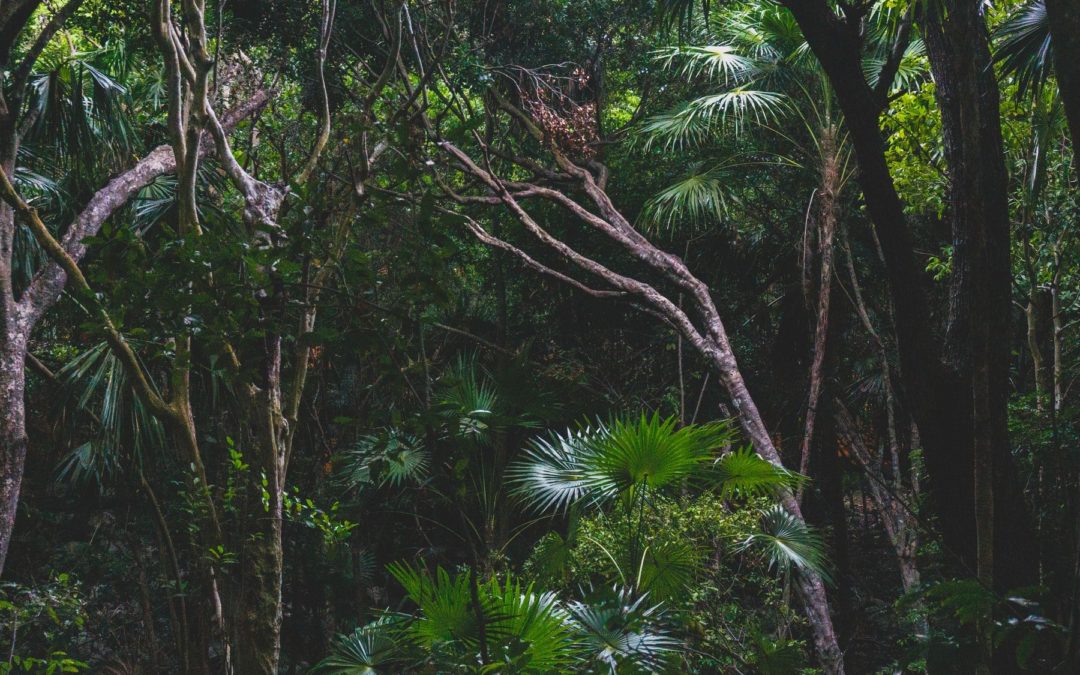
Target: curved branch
x,y
46,285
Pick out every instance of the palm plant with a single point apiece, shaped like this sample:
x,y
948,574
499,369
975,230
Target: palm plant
x,y
1024,48
368,650
632,462
392,457
789,542
765,75
462,624
621,632
123,430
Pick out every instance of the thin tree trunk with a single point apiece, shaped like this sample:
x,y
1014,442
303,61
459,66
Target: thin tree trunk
x,y
826,221
1058,333
1033,315
898,523
258,630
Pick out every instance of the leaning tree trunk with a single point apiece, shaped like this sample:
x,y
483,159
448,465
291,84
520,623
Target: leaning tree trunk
x,y
708,335
810,587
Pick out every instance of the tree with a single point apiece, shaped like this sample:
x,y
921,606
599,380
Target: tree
x,y
559,136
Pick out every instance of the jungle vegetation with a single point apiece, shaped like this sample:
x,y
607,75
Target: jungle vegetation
x,y
539,336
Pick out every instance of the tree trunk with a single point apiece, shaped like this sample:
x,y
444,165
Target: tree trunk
x,y
898,523
13,441
1064,18
938,386
259,611
1033,314
14,332
826,221
1005,554
1058,333
935,393
810,587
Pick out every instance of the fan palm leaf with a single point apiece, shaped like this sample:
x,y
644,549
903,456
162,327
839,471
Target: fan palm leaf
x,y
744,473
700,197
789,542
621,633
368,650
509,621
597,464
96,382
1024,47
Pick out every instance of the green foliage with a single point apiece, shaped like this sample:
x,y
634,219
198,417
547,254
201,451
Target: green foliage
x,y
390,458
789,542
40,623
367,650
717,593
463,624
1024,48
743,473
304,511
617,459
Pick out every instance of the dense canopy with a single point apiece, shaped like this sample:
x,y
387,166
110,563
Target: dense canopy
x,y
539,336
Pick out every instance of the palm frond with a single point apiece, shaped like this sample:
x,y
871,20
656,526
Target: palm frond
x,y
596,464
696,121
446,612
912,69
557,471
716,62
469,400
621,633
1024,48
743,473
529,628
514,624
789,542
368,650
391,457
652,451
668,569
699,198
96,382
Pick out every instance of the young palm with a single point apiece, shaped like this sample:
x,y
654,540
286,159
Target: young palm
x,y
628,463
462,624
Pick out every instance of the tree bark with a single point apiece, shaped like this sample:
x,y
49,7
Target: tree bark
x,y
1064,18
1005,551
257,635
939,387
826,221
13,440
